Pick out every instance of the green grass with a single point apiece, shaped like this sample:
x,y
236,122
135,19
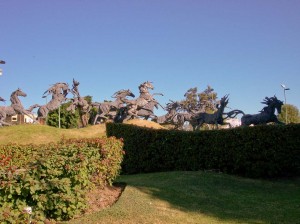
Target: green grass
x,y
180,197
201,197
42,134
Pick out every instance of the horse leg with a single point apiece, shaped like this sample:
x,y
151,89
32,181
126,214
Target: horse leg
x,y
96,118
43,112
199,124
131,114
2,122
85,120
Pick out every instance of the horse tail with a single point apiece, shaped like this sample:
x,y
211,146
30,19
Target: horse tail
x,y
33,107
234,113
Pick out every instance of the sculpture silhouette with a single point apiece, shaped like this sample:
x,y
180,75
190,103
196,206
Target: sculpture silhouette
x,y
215,118
266,115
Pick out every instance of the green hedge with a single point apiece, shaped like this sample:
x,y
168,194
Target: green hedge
x,y
53,179
260,151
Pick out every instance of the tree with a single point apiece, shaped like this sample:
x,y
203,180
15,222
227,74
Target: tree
x,y
190,102
67,118
208,100
292,115
200,102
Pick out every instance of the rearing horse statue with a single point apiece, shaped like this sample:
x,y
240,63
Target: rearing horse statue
x,y
59,91
80,103
215,118
15,108
141,103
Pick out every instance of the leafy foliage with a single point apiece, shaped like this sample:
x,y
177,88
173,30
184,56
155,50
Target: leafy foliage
x,y
67,118
53,178
204,101
290,112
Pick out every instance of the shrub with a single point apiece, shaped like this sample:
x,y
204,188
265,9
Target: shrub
x,y
55,179
260,151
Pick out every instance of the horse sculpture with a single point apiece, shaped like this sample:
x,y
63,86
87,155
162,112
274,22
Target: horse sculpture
x,y
147,111
266,115
108,110
171,117
80,103
142,106
215,118
59,91
15,108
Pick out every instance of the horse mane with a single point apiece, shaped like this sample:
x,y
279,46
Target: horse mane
x,y
119,92
270,100
144,83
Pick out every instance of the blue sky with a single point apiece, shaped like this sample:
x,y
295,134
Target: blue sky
x,y
242,48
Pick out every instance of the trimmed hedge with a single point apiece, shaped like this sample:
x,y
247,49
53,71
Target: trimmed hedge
x,y
260,151
53,179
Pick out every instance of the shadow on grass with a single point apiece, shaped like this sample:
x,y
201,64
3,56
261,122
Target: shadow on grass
x,y
224,197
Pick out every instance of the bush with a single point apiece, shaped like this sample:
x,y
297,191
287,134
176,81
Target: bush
x,y
55,179
260,151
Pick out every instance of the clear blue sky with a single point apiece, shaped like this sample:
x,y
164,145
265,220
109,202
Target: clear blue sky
x,y
242,48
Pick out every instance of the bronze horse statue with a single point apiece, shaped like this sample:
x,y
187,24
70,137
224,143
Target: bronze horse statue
x,y
145,112
108,110
79,102
215,118
59,92
266,115
15,108
142,106
173,116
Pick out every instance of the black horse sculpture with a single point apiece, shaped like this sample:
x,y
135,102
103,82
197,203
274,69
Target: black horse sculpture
x,y
215,118
266,115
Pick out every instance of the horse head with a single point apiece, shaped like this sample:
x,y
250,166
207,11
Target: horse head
x,y
123,93
18,92
224,101
60,88
146,85
129,93
273,103
173,106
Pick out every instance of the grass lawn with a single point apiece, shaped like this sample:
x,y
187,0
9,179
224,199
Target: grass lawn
x,y
201,197
42,134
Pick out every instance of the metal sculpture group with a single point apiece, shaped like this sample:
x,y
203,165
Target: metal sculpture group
x,y
121,109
